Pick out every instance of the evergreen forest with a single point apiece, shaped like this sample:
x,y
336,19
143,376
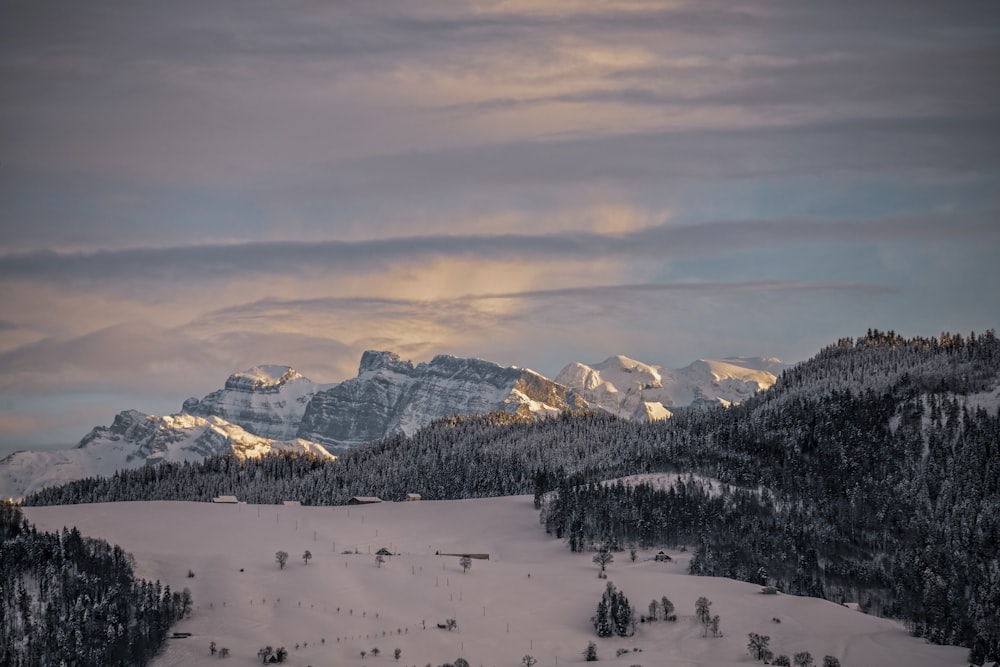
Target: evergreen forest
x,y
71,601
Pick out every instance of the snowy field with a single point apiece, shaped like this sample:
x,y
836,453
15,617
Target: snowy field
x,y
532,597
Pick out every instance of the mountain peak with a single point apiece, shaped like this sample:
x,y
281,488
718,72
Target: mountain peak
x,y
635,390
266,400
391,395
263,378
373,360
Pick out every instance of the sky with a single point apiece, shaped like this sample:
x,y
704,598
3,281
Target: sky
x,y
188,189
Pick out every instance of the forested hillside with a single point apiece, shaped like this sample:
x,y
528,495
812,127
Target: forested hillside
x,y
68,600
870,473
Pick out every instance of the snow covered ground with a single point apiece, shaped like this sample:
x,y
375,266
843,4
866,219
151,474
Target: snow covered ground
x,y
531,597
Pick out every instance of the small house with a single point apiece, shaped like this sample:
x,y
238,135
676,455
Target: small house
x,y
383,552
226,499
662,558
769,590
412,497
363,500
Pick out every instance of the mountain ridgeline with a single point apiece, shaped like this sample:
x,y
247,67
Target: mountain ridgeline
x,y
870,473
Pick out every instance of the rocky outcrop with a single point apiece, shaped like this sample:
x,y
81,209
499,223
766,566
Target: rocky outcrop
x,y
268,401
391,395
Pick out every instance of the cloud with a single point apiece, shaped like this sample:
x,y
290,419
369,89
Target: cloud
x,y
183,264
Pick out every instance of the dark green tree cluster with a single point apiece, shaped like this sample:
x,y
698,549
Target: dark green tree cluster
x,y
70,600
615,615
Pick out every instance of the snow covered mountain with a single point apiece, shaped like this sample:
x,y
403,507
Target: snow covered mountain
x,y
390,396
634,390
268,401
134,440
272,407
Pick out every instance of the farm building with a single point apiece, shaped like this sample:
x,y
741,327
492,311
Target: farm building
x,y
411,497
363,500
225,499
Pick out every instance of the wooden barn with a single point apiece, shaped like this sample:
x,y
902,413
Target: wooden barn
x,y
364,500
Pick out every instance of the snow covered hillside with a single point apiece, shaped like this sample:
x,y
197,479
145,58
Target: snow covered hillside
x,y
634,390
531,597
134,440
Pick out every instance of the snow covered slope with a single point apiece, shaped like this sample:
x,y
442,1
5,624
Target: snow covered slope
x,y
390,395
134,440
532,597
634,390
267,400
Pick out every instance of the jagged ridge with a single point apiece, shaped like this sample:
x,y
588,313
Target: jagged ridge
x,y
634,390
134,440
267,400
391,395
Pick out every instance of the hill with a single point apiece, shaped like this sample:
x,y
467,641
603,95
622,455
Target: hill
x,y
532,597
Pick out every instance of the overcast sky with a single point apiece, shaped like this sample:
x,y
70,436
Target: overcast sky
x,y
192,188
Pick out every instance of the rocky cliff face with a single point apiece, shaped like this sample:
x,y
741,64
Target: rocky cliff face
x,y
133,440
634,390
268,401
391,395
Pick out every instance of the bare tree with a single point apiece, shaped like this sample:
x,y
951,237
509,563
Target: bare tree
x,y
528,661
465,562
282,558
379,559
398,652
186,602
604,557
307,556
701,610
758,647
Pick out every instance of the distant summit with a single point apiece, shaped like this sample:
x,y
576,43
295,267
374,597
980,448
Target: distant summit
x,y
634,390
135,440
267,400
391,395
